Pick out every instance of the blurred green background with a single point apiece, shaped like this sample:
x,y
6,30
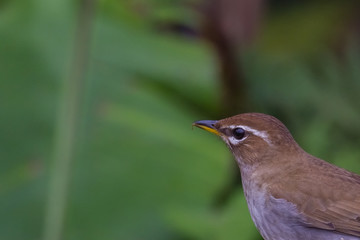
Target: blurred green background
x,y
98,97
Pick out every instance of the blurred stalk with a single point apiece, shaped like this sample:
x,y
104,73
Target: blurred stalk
x,y
231,27
67,127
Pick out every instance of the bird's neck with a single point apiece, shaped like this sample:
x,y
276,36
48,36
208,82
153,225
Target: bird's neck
x,y
271,169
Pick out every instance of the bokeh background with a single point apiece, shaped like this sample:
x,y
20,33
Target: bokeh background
x,y
98,97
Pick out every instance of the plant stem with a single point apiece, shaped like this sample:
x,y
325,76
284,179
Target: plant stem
x,y
67,125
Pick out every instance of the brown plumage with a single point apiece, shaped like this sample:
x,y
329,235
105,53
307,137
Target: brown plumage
x,y
290,194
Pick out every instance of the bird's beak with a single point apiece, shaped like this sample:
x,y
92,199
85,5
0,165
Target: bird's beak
x,y
208,125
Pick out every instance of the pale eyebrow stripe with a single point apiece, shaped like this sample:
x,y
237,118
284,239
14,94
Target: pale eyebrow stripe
x,y
261,134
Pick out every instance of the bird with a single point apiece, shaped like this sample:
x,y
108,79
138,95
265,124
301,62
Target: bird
x,y
291,195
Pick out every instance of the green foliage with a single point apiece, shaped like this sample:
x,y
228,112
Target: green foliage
x,y
139,170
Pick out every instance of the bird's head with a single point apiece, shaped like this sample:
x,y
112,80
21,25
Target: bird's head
x,y
252,137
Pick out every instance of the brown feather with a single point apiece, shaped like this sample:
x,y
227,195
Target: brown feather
x,y
327,197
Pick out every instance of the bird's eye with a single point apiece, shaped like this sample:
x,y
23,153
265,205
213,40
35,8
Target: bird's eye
x,y
239,133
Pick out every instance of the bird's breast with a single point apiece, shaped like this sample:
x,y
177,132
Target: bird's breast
x,y
272,217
